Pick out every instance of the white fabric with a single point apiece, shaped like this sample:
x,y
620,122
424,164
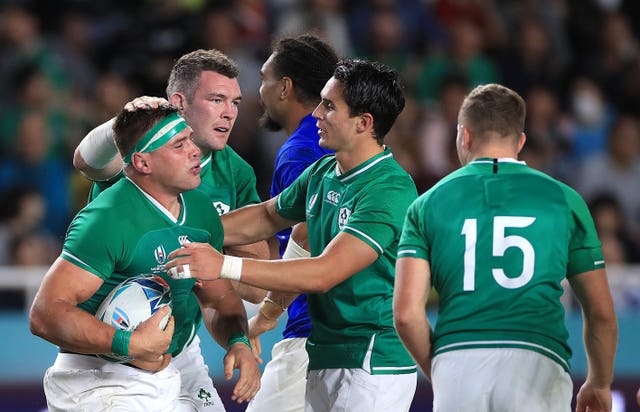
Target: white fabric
x,y
195,376
98,147
283,381
86,383
231,268
499,380
355,390
294,250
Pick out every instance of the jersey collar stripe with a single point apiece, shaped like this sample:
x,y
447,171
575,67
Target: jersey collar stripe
x,y
367,237
500,160
161,208
367,167
493,343
206,160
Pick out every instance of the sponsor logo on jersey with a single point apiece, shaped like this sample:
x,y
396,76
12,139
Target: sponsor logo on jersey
x,y
183,239
343,217
221,207
333,197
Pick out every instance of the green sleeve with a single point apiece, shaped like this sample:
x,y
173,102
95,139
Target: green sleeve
x,y
585,249
413,241
99,254
378,215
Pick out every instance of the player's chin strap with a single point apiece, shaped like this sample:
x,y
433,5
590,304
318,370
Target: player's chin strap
x,y
158,135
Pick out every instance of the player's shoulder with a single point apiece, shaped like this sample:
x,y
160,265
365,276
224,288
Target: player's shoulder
x,y
228,158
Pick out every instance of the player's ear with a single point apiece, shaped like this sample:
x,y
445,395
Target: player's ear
x,y
287,87
140,162
178,100
365,122
467,138
521,140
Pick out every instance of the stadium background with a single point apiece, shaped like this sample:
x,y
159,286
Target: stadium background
x,y
68,65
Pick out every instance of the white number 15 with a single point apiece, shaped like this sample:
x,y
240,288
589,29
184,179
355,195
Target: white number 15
x,y
500,244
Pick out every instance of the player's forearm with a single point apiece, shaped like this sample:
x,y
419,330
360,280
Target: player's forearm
x,y
309,275
415,333
227,319
258,250
600,339
252,223
80,331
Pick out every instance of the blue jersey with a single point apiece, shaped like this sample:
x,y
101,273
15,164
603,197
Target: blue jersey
x,y
299,151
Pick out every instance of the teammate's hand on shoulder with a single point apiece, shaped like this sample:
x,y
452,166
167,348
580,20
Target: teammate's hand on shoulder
x,y
149,342
241,357
146,102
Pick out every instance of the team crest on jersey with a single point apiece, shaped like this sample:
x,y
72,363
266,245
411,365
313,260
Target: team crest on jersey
x,y
160,254
343,217
312,201
222,208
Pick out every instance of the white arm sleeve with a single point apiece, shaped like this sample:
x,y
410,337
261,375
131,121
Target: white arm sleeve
x,y
294,250
98,147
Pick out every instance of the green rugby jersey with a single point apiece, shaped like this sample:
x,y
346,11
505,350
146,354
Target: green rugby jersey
x,y
352,324
124,233
227,179
499,238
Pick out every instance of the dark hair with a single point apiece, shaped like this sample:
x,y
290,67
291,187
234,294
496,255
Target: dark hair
x,y
185,74
129,126
371,87
493,108
307,61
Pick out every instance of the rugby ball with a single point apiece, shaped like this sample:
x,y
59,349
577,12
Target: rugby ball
x,y
131,303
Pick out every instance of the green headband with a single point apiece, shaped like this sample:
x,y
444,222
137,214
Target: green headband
x,y
158,135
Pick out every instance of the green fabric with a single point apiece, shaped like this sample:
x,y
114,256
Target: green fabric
x,y
352,324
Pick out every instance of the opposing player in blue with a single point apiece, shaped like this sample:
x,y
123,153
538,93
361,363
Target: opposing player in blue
x,y
292,78
125,232
496,238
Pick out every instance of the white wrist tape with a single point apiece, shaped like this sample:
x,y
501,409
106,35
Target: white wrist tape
x,y
231,268
98,147
294,250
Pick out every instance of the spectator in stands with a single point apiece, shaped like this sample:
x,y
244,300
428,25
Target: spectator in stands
x,y
463,56
618,246
616,170
29,165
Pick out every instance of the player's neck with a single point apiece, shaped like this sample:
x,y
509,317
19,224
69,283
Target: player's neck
x,y
166,198
295,114
356,155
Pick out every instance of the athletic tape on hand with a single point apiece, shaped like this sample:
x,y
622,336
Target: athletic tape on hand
x,y
180,272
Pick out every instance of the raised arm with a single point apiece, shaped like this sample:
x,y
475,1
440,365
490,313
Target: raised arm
x,y
96,156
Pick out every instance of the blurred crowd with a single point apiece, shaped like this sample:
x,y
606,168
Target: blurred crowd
x,y
69,65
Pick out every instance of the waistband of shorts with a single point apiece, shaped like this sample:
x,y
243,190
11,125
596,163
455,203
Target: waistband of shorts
x,y
92,360
71,360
